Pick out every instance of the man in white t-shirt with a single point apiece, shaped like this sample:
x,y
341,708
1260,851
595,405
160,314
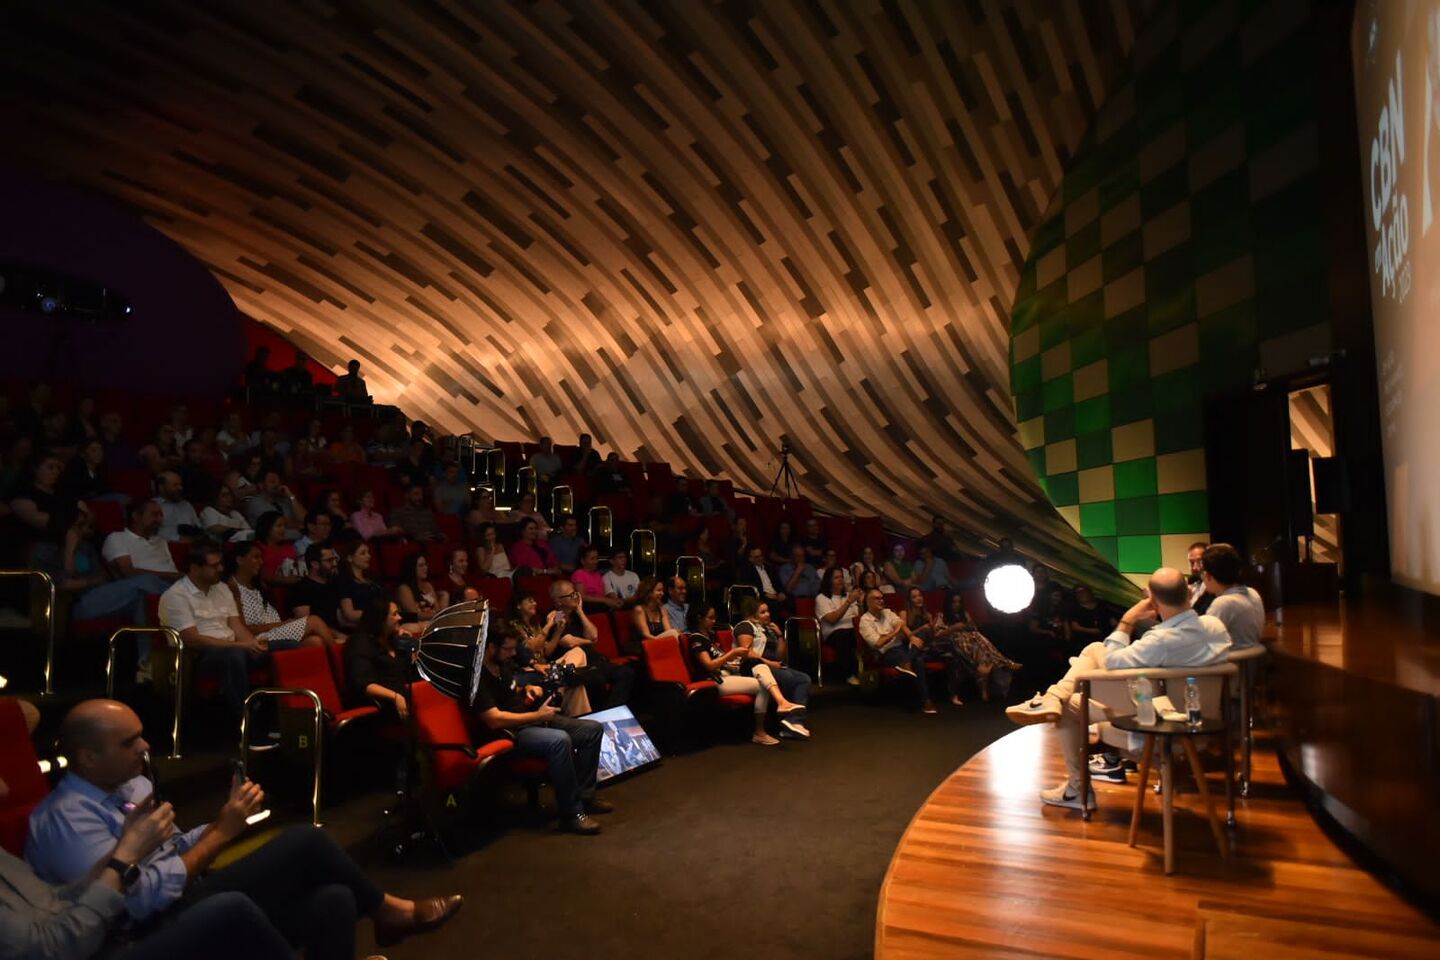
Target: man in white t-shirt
x,y
176,511
139,548
202,610
620,582
885,632
1237,606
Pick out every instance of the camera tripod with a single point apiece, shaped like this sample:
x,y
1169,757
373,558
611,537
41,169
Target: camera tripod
x,y
784,480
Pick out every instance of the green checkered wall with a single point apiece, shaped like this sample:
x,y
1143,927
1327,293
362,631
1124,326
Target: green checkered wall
x,y
1181,258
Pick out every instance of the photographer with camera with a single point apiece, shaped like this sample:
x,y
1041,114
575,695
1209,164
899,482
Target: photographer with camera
x,y
567,627
569,747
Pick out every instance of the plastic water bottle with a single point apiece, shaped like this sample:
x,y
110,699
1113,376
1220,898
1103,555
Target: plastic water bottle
x,y
1145,701
1192,703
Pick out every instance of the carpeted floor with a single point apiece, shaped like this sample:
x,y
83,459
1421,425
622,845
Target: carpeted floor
x,y
732,851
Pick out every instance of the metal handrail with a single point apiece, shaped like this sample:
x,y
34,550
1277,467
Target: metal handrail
x,y
527,480
819,644
562,501
607,526
700,580
730,592
174,640
643,546
48,690
319,717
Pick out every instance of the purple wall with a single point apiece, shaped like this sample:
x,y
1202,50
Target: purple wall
x,y
184,336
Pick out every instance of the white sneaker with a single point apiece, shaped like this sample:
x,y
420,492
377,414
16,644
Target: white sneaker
x,y
853,680
904,669
1066,796
795,727
1041,708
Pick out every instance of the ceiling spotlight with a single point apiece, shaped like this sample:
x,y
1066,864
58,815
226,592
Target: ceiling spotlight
x,y
1009,588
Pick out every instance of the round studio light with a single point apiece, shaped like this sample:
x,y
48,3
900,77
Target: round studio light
x,y
1009,588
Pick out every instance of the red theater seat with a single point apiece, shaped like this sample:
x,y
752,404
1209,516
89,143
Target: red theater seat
x,y
20,769
442,729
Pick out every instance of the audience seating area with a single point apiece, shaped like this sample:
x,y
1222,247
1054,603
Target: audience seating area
x,y
323,448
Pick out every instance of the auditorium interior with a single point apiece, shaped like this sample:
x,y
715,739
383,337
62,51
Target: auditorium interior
x,y
623,465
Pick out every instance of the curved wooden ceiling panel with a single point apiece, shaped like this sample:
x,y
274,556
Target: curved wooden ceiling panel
x,y
689,228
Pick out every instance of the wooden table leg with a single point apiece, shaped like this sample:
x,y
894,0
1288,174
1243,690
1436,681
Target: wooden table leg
x,y
1140,791
1199,771
1167,807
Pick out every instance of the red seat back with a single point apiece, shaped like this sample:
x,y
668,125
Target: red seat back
x,y
895,601
20,769
335,653
805,606
726,638
662,658
307,668
605,635
497,591
540,586
109,516
935,601
439,719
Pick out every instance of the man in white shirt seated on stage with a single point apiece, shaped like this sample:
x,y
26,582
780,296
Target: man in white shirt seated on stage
x,y
1232,603
1181,638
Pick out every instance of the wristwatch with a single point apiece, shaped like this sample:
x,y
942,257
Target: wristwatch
x,y
129,872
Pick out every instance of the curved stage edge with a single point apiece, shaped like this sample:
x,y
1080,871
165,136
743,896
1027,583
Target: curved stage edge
x,y
985,870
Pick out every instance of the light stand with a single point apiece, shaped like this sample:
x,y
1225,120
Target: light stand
x,y
784,480
449,654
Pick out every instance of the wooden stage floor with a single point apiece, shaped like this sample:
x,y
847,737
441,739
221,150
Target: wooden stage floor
x,y
985,870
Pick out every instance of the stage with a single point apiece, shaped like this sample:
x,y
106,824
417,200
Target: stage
x,y
985,870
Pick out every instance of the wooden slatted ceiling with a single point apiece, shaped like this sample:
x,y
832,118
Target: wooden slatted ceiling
x,y
647,220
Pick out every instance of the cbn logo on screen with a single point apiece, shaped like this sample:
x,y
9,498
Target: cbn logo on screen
x,y
1389,205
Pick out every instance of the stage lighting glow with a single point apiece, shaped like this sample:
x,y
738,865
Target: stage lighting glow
x,y
1009,588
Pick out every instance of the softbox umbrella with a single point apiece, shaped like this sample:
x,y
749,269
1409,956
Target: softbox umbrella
x,y
452,648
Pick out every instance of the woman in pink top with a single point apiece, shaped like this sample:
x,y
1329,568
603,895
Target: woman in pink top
x,y
591,582
530,551
368,523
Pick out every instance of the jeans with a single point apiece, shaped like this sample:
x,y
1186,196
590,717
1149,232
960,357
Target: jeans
x,y
305,885
571,750
226,926
231,666
795,684
617,676
125,596
902,654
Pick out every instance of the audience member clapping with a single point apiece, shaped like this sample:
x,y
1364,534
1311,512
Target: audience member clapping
x,y
540,647
797,577
836,606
